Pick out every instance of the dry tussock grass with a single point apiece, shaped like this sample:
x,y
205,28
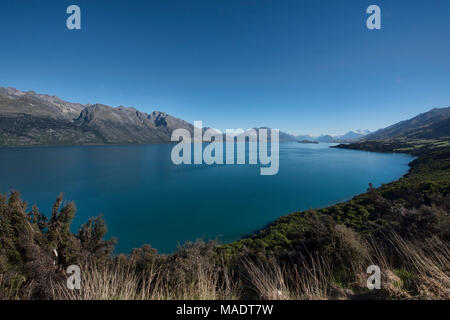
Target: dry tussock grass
x,y
410,270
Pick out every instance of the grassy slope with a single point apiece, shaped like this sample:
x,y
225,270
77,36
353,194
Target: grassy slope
x,y
427,181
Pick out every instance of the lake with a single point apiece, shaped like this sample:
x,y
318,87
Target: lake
x,y
146,199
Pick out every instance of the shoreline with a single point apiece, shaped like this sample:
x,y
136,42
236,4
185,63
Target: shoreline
x,y
423,156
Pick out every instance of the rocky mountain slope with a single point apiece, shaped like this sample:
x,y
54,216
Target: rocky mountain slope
x,y
28,118
13,101
432,124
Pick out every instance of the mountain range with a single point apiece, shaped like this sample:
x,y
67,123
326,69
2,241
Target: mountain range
x,y
29,118
350,136
432,124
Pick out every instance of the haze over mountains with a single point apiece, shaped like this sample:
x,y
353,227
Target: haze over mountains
x,y
29,118
350,136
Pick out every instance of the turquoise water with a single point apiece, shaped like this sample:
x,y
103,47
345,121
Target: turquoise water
x,y
147,199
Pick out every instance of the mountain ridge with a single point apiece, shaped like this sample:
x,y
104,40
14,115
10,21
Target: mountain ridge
x,y
350,136
431,124
29,118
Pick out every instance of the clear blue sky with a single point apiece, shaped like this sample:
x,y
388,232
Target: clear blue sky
x,y
301,66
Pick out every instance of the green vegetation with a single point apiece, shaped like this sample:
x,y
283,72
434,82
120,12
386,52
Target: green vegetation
x,y
414,206
403,227
412,146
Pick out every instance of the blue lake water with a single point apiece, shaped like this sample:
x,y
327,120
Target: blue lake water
x,y
147,199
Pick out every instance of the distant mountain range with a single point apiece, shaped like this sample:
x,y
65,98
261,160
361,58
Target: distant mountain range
x,y
432,124
29,118
428,125
354,135
350,136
